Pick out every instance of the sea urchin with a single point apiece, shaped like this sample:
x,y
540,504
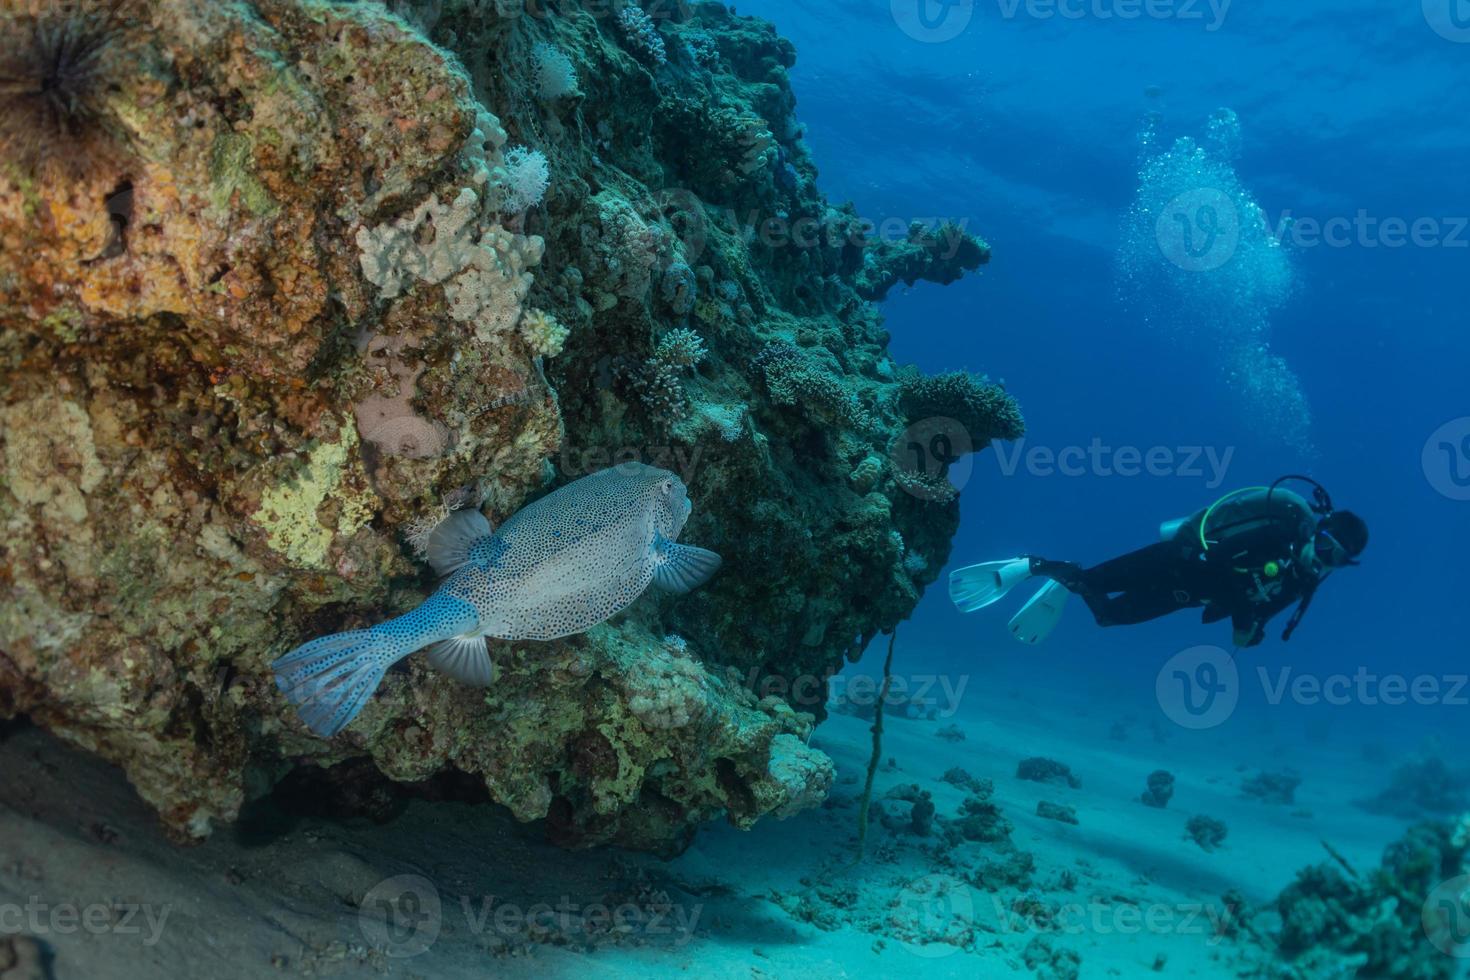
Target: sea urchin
x,y
54,86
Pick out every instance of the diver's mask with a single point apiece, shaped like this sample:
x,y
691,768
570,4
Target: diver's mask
x,y
1330,551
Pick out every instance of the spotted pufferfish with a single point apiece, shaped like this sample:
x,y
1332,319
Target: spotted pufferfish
x,y
558,566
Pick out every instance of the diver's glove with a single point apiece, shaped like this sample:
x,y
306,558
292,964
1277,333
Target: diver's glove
x,y
1249,635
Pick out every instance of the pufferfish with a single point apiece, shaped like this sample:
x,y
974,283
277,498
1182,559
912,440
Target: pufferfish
x,y
558,566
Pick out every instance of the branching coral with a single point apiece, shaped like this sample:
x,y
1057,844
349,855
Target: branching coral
x,y
658,382
642,34
982,408
923,485
703,49
714,147
793,379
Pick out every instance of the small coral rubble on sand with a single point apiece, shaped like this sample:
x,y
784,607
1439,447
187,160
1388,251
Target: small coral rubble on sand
x,y
1041,770
345,265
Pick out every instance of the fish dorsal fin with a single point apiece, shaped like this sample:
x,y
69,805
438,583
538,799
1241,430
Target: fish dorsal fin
x,y
464,658
679,568
453,542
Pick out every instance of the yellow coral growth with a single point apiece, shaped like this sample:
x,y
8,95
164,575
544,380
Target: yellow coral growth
x,y
288,512
545,335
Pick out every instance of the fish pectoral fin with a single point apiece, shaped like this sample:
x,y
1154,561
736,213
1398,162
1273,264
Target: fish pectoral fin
x,y
465,658
679,568
451,542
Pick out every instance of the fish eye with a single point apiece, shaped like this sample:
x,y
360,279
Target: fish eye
x,y
667,487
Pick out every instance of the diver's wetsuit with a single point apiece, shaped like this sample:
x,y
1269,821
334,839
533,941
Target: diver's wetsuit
x,y
1229,573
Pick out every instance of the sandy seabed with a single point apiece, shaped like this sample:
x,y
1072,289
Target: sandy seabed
x,y
451,890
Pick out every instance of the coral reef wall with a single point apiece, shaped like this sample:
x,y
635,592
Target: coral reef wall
x,y
281,282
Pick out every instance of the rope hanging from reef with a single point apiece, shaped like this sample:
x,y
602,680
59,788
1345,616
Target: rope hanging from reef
x,y
867,797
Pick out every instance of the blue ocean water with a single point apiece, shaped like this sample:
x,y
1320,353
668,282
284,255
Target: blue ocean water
x,y
1024,121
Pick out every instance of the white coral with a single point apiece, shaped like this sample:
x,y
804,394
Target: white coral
x,y
484,267
544,334
804,775
670,691
556,76
526,177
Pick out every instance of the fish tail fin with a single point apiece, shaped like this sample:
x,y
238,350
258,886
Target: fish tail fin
x,y
331,678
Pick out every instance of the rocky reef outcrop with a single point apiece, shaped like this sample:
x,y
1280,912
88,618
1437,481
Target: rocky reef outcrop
x,y
1405,918
281,283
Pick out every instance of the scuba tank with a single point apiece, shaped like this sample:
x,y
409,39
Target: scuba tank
x,y
1267,572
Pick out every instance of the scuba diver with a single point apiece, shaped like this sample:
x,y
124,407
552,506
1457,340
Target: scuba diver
x,y
1246,557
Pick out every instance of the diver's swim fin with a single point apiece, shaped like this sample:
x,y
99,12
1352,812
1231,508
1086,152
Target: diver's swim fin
x,y
1040,615
977,586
